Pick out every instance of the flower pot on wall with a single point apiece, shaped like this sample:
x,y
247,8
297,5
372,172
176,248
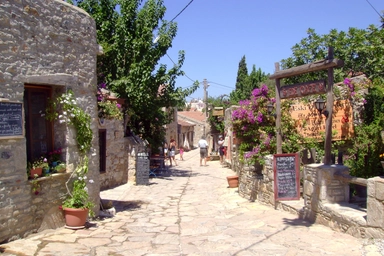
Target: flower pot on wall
x,y
75,218
233,181
38,171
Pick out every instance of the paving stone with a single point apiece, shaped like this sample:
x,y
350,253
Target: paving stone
x,y
192,215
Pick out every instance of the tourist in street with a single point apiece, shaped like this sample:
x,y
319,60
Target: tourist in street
x,y
203,145
221,148
165,151
181,152
172,151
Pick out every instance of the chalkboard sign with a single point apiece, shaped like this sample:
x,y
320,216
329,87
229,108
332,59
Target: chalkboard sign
x,y
286,177
11,120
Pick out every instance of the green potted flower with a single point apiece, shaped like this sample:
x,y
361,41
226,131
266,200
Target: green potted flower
x,y
60,168
109,110
37,167
77,203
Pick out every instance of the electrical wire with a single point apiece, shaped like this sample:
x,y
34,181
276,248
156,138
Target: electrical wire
x,y
182,10
222,85
375,9
176,65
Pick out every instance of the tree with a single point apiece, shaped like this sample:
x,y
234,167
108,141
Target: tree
x,y
362,51
130,64
241,82
246,83
256,78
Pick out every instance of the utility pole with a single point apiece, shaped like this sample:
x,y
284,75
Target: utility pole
x,y
206,85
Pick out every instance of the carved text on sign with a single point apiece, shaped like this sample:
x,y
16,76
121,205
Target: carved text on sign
x,y
302,89
311,124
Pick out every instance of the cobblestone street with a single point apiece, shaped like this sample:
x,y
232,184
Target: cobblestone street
x,y
192,212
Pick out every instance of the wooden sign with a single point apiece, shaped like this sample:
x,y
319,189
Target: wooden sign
x,y
218,111
311,124
11,120
302,89
286,172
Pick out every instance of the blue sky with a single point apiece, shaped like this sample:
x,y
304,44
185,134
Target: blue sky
x,y
216,34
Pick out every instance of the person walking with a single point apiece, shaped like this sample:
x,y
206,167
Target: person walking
x,y
221,148
203,145
165,148
181,152
172,151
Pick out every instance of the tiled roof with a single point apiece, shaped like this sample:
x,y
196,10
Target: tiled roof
x,y
192,115
185,123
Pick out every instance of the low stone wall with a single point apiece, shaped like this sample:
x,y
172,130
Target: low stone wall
x,y
37,212
117,156
325,198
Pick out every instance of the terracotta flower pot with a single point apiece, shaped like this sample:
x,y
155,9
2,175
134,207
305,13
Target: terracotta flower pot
x,y
233,181
38,171
75,218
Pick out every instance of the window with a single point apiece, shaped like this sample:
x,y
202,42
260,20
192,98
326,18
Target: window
x,y
38,130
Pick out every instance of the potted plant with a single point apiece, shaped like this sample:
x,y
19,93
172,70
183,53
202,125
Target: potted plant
x,y
77,204
37,166
54,157
60,168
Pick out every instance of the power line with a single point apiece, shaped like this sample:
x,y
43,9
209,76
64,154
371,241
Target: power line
x,y
182,10
374,9
222,85
176,65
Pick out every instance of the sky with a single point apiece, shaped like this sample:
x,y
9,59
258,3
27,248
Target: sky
x,y
216,34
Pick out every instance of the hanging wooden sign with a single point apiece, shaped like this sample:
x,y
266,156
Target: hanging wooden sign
x,y
302,89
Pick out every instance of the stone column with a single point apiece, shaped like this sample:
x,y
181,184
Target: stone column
x,y
375,202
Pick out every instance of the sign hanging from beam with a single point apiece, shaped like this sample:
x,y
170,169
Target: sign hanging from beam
x,y
302,89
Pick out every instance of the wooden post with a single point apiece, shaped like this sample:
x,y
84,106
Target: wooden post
x,y
328,122
279,149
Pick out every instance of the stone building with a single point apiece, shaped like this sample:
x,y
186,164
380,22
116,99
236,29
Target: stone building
x,y
199,120
48,47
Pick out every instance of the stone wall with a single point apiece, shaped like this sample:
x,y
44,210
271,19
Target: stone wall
x,y
50,43
116,156
325,198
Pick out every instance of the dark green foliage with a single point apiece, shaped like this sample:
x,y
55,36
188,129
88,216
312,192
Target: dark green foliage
x,y
246,83
130,65
362,51
363,154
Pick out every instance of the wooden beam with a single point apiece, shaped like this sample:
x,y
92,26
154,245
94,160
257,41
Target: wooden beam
x,y
328,121
307,68
279,139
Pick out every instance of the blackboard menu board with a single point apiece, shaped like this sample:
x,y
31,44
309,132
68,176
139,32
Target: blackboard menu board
x,y
286,176
11,120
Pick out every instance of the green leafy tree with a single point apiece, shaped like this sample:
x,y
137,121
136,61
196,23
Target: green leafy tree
x,y
362,51
217,123
130,65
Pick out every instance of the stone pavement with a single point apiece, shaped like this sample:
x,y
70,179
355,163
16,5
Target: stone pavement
x,y
192,212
